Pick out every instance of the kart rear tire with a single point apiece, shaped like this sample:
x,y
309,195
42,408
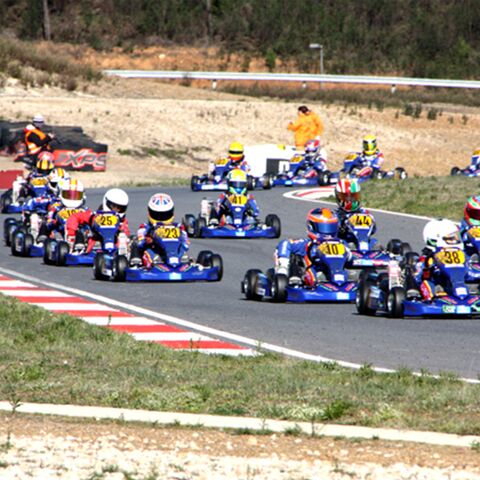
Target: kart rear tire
x,y
28,242
395,299
405,248
379,175
361,298
62,252
193,182
199,224
323,178
9,225
267,182
14,247
272,220
249,283
250,183
394,246
215,260
189,221
98,266
411,259
120,265
400,174
47,251
279,288
203,257
455,171
5,201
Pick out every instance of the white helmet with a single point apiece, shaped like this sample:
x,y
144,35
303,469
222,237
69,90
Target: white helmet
x,y
38,120
55,176
441,233
116,200
72,193
161,208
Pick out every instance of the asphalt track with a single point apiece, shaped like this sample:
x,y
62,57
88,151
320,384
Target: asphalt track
x,y
334,330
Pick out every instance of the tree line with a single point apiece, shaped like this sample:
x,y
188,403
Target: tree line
x,y
422,38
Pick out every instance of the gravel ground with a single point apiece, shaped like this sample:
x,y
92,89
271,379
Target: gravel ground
x,y
46,448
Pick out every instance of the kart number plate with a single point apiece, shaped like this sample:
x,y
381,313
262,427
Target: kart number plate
x,y
167,231
451,257
296,160
474,232
342,296
238,200
221,162
351,156
106,220
361,221
66,213
38,182
332,249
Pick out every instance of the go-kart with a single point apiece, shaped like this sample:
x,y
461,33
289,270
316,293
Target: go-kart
x,y
301,173
333,282
387,292
239,224
467,172
354,167
216,179
36,187
366,252
170,265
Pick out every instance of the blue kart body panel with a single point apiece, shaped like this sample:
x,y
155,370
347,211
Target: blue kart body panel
x,y
300,174
217,181
171,273
35,190
230,231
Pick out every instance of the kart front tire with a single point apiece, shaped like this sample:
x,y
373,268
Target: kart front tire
x,y
361,298
203,257
394,246
249,283
215,260
62,252
193,182
9,225
27,245
189,224
323,178
47,252
199,224
250,182
267,183
400,173
279,288
5,201
395,299
98,266
272,220
455,171
120,265
379,175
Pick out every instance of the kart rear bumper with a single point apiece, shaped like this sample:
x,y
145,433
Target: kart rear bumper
x,y
225,232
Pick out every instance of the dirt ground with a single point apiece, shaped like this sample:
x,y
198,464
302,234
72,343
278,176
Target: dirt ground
x,y
157,130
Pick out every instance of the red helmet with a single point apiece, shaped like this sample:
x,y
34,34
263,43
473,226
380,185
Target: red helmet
x,y
312,146
347,194
471,213
321,223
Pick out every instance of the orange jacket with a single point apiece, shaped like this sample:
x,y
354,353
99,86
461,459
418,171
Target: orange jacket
x,y
306,127
36,140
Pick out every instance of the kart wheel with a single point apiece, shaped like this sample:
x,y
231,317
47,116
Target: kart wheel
x,y
249,283
98,267
48,251
193,182
455,171
267,183
279,288
379,175
400,174
250,183
405,248
324,178
62,252
27,245
9,225
120,265
199,224
395,299
203,257
16,244
411,259
272,220
394,246
189,224
215,260
5,201
361,298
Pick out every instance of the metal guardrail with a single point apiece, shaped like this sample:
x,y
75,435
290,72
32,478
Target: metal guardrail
x,y
294,77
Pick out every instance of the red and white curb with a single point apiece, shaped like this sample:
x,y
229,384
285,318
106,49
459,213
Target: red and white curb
x,y
141,328
311,194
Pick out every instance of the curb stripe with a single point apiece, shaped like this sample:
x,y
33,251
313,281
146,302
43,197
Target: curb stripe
x,y
140,328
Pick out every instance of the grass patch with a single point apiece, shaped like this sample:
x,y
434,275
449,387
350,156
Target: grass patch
x,y
60,359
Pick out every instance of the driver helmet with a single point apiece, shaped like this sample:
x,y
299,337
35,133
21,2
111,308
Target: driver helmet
x,y
441,233
321,224
38,121
115,200
369,144
237,182
72,193
45,163
476,156
236,152
312,147
161,208
471,213
347,194
55,176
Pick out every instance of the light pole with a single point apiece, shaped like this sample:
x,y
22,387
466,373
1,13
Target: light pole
x,y
318,46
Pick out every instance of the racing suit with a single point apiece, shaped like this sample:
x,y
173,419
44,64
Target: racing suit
x,y
369,164
143,246
21,187
86,218
34,212
291,249
229,166
222,210
425,277
474,166
58,215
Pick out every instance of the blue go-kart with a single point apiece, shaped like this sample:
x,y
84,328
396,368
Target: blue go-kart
x,y
301,173
170,265
387,293
353,167
333,282
37,187
239,224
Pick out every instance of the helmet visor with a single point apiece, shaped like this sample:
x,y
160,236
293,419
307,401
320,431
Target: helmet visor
x,y
452,239
160,216
473,213
369,147
324,228
348,197
116,207
238,187
71,195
